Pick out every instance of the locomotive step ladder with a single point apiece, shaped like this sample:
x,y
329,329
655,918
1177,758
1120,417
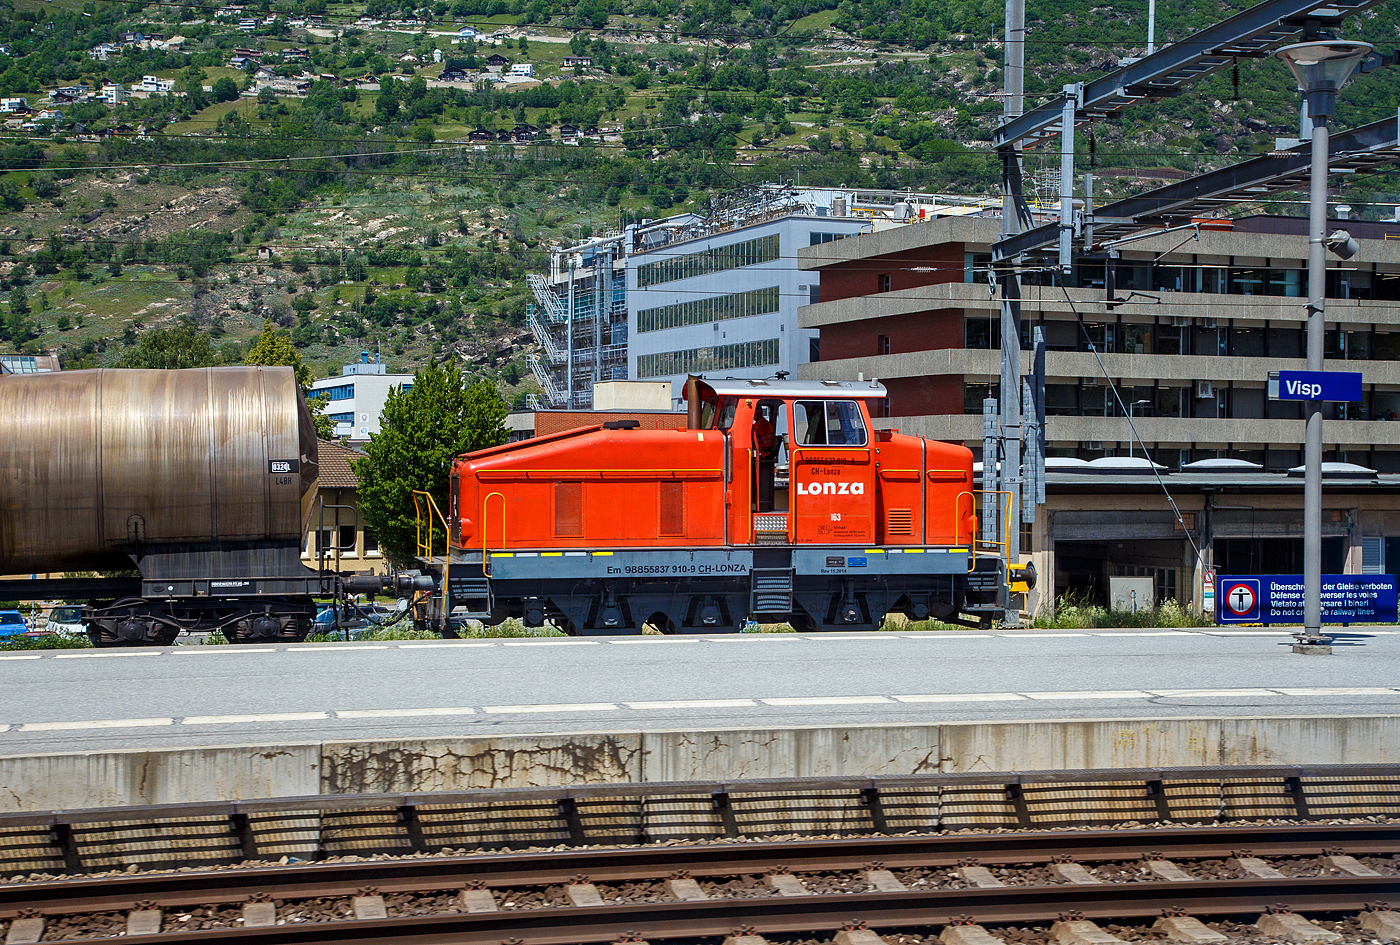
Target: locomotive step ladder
x,y
771,590
473,593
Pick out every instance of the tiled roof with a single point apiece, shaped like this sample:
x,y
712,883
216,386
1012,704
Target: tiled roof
x,y
335,465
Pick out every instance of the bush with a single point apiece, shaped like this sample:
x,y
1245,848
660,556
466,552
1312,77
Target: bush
x,y
52,641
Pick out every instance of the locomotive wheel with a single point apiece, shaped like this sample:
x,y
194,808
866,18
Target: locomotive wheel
x,y
802,623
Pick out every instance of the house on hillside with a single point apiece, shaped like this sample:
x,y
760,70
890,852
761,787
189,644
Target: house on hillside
x,y
295,54
468,32
481,134
523,69
497,61
453,75
570,61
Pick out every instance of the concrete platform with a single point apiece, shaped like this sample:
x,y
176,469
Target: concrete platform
x,y
209,696
138,777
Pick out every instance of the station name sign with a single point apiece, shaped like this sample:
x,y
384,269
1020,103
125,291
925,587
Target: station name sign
x,y
1315,385
1278,598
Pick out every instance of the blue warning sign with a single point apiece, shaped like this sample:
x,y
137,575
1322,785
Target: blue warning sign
x,y
1278,598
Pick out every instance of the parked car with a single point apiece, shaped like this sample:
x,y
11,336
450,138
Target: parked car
x,y
65,620
366,618
12,624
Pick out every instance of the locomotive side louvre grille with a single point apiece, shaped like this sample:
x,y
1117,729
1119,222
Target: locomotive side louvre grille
x,y
899,522
568,510
672,501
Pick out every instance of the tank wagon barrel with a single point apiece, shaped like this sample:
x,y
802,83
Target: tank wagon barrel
x,y
202,481
779,502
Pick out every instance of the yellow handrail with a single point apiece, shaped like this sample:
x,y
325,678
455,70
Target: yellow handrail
x,y
424,506
484,555
1002,547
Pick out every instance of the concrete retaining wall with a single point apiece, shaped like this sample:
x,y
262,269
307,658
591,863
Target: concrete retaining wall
x,y
133,778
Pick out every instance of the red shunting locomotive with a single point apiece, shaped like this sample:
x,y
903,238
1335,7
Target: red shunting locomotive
x,y
778,503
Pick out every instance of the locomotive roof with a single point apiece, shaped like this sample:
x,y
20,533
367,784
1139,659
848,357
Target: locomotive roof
x,y
773,387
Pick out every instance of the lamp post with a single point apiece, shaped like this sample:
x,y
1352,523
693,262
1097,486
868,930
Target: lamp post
x,y
1136,403
1321,69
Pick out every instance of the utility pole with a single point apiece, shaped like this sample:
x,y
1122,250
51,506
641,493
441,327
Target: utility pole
x,y
1321,68
1010,282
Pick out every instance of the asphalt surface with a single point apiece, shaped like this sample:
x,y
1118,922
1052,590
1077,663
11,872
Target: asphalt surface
x,y
81,700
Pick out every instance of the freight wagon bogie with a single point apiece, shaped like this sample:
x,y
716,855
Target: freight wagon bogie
x,y
145,622
779,502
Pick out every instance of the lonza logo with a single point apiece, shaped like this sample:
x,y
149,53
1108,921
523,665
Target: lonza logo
x,y
831,488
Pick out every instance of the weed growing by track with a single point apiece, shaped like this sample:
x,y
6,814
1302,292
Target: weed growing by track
x,y
1077,613
52,641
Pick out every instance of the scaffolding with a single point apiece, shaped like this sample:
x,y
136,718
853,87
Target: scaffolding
x,y
579,319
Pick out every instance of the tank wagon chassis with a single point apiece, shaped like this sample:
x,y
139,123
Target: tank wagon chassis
x,y
720,589
134,611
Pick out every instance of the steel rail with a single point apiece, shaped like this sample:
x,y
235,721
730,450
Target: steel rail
x,y
420,874
606,923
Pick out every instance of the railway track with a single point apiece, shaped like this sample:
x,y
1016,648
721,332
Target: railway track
x,y
690,891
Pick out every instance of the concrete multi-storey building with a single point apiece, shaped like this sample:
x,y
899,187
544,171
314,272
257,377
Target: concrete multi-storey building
x,y
1187,341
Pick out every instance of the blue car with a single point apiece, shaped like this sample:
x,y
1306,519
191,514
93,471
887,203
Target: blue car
x,y
12,624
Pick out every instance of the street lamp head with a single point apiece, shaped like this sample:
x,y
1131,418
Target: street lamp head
x,y
1321,69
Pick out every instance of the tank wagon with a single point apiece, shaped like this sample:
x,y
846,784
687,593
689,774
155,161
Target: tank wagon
x,y
779,502
199,484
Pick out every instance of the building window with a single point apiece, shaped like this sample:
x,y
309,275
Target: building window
x,y
814,350
884,283
816,239
884,344
341,417
371,544
715,309
885,409
340,392
743,354
734,256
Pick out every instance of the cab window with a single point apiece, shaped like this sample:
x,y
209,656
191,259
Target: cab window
x,y
717,414
829,423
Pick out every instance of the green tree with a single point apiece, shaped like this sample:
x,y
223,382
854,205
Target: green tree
x,y
225,90
422,430
170,349
274,347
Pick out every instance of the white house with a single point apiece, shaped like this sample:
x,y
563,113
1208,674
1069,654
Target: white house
x,y
522,68
113,93
468,32
150,83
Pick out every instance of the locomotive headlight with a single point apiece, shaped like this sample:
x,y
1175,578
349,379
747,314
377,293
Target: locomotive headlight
x,y
465,530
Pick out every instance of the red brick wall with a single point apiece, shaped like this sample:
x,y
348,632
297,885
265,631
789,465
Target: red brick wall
x,y
922,396
917,331
557,421
862,276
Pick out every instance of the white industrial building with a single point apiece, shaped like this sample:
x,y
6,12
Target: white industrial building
x,y
358,396
714,295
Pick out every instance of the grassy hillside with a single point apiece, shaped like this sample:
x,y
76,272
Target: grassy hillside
x,y
342,196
